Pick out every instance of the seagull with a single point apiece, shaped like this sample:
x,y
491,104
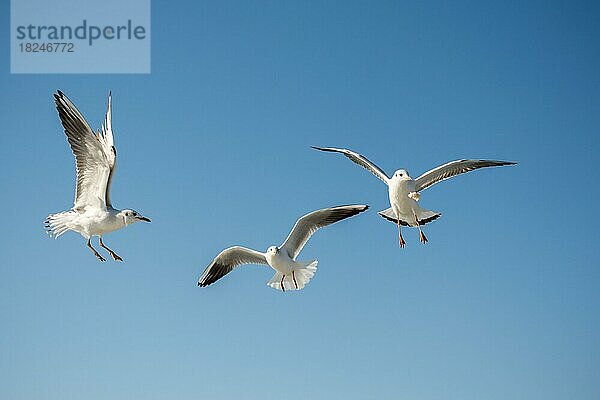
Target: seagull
x,y
404,191
290,274
95,156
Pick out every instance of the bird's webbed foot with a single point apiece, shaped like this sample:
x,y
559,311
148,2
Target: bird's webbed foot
x,y
115,256
401,241
422,237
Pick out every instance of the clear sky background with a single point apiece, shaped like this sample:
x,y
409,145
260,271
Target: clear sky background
x,y
502,303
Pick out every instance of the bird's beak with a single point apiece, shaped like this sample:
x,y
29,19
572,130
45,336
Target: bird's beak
x,y
144,219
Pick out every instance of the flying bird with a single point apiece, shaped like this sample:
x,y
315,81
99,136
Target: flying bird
x,y
290,274
95,159
404,192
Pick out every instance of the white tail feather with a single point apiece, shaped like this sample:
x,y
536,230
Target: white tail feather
x,y
59,223
302,277
425,216
428,215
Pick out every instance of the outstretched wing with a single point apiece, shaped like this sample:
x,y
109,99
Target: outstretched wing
x,y
93,158
227,260
454,168
307,225
105,136
358,159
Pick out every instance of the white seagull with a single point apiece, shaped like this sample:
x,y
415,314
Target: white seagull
x,y
290,274
404,191
95,157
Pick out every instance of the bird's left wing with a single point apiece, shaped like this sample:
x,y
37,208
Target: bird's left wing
x,y
358,159
307,225
454,168
227,260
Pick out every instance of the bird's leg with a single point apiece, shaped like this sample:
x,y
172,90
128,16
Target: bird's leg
x,y
281,283
294,277
114,255
421,234
400,238
95,252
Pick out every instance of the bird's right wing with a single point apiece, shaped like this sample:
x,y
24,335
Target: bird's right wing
x,y
227,260
106,139
307,225
91,162
360,160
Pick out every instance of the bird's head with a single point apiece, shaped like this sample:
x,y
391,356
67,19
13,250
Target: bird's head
x,y
272,250
401,174
132,216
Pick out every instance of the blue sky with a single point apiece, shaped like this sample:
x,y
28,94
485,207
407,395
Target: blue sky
x,y
501,303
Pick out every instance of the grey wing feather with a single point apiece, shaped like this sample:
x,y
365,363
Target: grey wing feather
x,y
307,225
227,260
454,168
358,159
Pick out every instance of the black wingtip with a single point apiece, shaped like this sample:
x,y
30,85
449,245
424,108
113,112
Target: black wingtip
x,y
59,97
503,163
362,207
